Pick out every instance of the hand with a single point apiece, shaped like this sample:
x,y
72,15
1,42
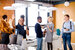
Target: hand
x,y
60,36
27,31
26,27
42,27
48,26
66,29
13,17
44,31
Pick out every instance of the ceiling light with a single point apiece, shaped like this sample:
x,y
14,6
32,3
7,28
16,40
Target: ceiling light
x,y
9,8
52,8
31,0
16,5
66,3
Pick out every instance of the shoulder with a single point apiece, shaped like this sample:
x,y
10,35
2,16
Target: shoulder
x,y
17,25
36,24
71,22
53,24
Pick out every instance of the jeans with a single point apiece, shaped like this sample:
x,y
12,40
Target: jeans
x,y
67,40
39,43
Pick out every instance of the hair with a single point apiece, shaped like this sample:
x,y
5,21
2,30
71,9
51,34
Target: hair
x,y
51,18
4,16
67,15
39,17
22,16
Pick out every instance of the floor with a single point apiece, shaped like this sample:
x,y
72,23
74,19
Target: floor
x,y
57,44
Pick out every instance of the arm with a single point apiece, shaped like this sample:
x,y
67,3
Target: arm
x,y
13,21
37,29
27,31
62,30
49,28
53,28
71,30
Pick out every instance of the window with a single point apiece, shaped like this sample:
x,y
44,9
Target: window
x,y
43,14
18,12
32,19
32,14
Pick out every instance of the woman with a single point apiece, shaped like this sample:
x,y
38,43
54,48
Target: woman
x,y
22,30
49,33
5,30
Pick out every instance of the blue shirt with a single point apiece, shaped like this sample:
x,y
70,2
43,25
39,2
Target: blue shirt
x,y
67,26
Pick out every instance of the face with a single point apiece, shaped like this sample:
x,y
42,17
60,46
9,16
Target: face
x,y
39,20
5,19
66,18
22,20
49,19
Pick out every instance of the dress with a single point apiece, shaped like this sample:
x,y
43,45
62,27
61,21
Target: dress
x,y
49,35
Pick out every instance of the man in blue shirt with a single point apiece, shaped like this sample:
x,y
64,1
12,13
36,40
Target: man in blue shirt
x,y
68,27
39,33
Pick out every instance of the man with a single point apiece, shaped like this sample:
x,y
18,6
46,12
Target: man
x,y
68,27
39,33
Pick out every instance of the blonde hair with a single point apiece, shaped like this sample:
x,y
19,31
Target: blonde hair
x,y
50,18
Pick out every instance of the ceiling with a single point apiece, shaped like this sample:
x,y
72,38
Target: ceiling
x,y
54,2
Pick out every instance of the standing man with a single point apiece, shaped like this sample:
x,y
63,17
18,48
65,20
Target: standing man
x,y
68,27
39,33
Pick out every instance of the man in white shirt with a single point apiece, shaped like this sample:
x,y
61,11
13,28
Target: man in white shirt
x,y
68,27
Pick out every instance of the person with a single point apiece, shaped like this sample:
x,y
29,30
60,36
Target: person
x,y
5,30
21,27
67,28
49,33
39,33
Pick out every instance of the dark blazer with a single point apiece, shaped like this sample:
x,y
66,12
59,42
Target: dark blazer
x,y
38,30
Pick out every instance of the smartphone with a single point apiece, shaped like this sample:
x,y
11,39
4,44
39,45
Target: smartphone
x,y
64,28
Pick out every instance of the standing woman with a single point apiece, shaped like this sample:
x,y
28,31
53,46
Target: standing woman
x,y
5,30
49,33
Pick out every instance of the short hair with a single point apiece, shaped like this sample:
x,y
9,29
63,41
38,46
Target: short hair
x,y
22,16
4,16
39,17
67,15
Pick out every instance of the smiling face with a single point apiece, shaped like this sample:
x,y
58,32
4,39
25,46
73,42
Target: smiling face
x,y
21,21
66,18
50,19
39,20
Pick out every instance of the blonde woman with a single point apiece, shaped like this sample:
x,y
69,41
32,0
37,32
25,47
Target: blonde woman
x,y
49,33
